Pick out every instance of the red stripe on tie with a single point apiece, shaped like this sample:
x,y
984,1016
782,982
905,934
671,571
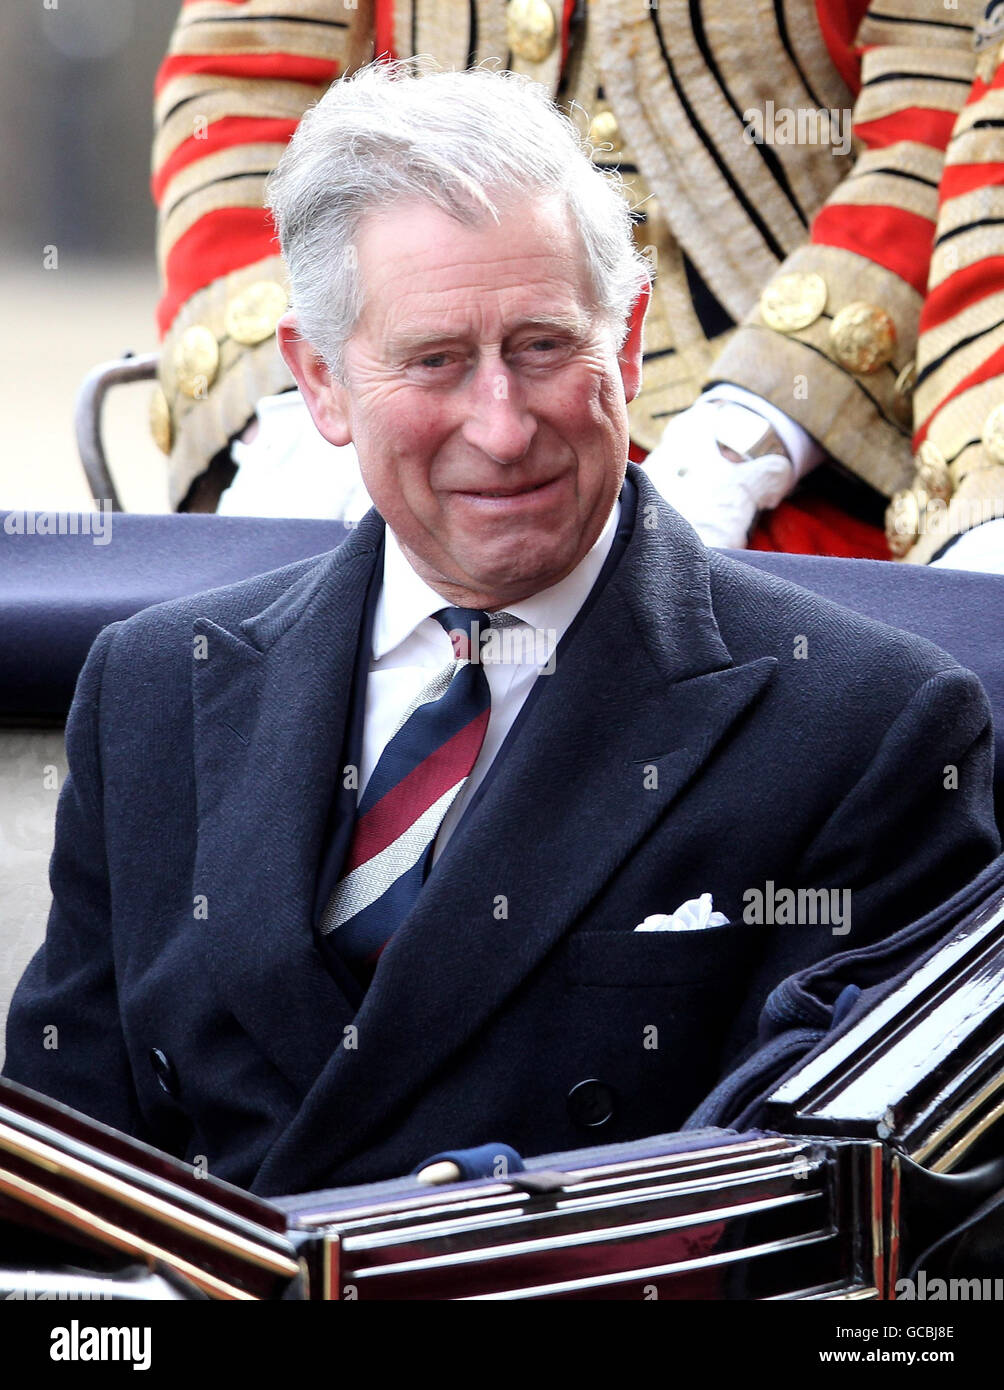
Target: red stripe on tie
x,y
413,795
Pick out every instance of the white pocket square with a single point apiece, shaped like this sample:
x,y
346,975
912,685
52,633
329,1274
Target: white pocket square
x,y
694,915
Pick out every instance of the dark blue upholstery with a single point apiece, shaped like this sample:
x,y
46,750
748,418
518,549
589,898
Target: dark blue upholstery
x,y
962,613
57,592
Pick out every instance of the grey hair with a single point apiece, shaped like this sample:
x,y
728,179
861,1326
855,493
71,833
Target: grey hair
x,y
406,130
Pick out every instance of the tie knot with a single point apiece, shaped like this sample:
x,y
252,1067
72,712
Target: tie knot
x,y
464,627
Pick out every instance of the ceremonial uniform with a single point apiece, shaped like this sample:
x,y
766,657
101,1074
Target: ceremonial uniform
x,y
677,98
889,317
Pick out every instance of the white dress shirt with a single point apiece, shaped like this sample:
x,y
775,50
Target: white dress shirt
x,y
410,646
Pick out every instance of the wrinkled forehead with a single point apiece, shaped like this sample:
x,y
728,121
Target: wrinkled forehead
x,y
421,269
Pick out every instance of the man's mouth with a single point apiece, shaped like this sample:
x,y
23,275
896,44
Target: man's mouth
x,y
503,493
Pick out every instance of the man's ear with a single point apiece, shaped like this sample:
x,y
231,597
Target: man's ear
x,y
629,355
327,400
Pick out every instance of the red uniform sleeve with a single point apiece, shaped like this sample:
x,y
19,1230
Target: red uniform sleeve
x,y
237,77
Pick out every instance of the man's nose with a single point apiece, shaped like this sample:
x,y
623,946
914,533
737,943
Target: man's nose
x,y
498,421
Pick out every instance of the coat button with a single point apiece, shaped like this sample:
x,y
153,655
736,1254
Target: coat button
x,y
196,361
531,29
163,1070
590,1103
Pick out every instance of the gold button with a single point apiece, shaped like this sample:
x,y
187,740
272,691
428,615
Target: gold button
x,y
252,314
530,29
160,421
863,337
993,434
902,397
932,474
902,523
604,130
793,301
196,361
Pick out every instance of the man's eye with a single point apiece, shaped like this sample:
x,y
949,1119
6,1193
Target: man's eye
x,y
543,347
437,359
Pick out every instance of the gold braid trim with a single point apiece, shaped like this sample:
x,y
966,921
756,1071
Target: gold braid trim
x,y
955,429
852,415
265,36
977,478
835,411
975,318
959,423
442,30
824,87
877,190
963,361
204,426
906,155
238,98
961,251
946,28
989,107
225,164
677,352
667,111
248,96
940,82
492,40
448,33
976,206
245,192
194,19
973,146
978,498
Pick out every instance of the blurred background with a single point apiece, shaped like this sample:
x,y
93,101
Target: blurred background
x,y
76,95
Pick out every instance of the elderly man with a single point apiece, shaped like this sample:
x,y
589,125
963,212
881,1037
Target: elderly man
x,y
337,887
843,313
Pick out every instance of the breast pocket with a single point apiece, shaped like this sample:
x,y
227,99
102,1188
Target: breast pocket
x,y
648,1013
618,959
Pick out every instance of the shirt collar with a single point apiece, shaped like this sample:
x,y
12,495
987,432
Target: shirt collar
x,y
406,600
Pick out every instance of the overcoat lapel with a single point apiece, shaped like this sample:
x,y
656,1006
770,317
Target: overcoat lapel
x,y
646,684
270,701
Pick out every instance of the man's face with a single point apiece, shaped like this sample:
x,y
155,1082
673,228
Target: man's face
x,y
485,398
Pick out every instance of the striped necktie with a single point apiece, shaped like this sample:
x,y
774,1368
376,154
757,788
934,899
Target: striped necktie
x,y
419,775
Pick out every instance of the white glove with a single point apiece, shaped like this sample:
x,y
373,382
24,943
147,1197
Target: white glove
x,y
289,469
981,549
721,498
